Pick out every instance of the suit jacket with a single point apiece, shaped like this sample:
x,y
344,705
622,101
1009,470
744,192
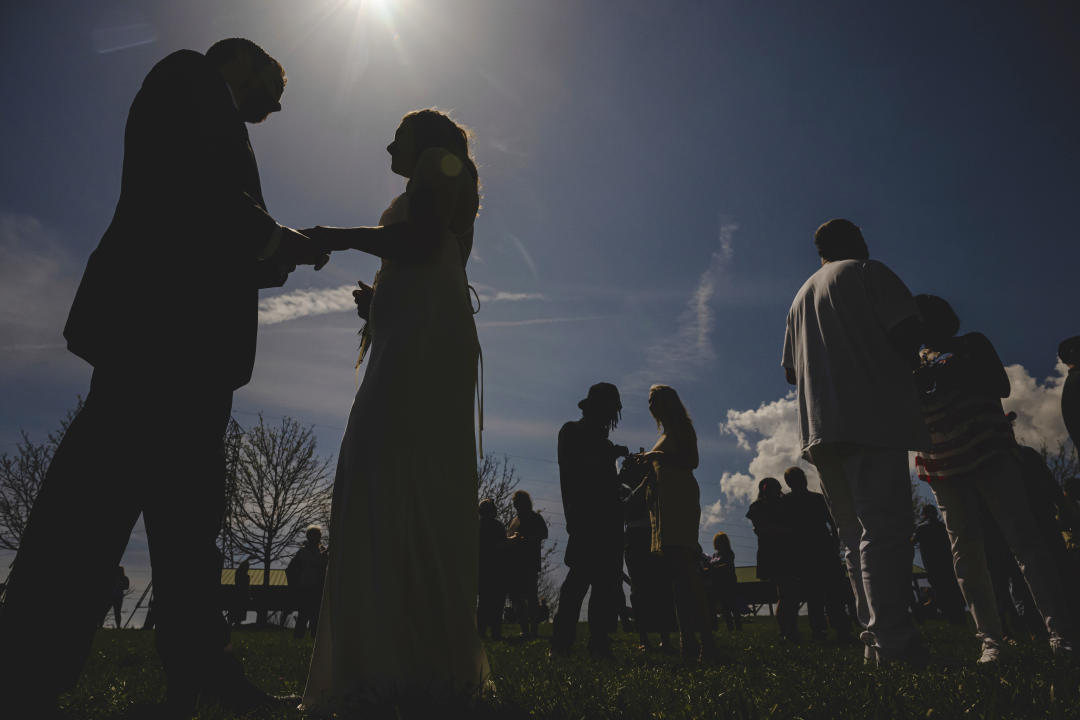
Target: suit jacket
x,y
589,482
171,292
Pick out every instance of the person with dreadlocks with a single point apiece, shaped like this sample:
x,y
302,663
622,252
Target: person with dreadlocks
x,y
590,493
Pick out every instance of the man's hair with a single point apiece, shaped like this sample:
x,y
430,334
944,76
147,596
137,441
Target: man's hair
x,y
223,51
840,239
721,542
1069,351
793,476
939,319
929,511
520,497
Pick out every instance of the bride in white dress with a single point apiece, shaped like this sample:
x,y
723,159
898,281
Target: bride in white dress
x,y
398,614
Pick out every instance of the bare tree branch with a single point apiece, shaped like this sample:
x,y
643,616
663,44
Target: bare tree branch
x,y
21,476
280,487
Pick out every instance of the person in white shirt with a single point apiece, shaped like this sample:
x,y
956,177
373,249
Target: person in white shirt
x,y
850,347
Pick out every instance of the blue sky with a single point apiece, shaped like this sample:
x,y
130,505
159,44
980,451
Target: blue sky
x,y
653,173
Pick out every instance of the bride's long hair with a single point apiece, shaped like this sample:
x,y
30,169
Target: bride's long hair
x,y
433,128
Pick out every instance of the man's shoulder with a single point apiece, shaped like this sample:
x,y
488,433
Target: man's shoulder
x,y
181,61
571,427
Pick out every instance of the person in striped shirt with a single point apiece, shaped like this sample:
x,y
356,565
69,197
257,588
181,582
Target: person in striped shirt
x,y
973,455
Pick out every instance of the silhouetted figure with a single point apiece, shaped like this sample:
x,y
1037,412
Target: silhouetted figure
x,y
168,301
972,457
852,333
1071,489
651,595
936,551
306,572
721,583
149,621
590,494
1015,609
492,575
1069,352
241,593
775,554
675,515
526,533
1053,514
816,551
121,583
404,521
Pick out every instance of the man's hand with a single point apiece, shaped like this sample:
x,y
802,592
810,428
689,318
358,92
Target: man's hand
x,y
362,296
329,239
296,248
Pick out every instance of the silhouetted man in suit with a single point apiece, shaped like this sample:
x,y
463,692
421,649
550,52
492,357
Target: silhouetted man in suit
x,y
590,493
166,313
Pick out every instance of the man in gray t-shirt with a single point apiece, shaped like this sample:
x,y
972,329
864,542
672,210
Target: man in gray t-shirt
x,y
851,342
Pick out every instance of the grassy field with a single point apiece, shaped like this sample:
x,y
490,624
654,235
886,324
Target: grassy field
x,y
757,678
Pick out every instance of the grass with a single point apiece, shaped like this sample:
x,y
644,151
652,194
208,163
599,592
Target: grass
x,y
757,678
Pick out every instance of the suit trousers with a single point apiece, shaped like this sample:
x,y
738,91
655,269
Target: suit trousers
x,y
122,456
600,570
868,490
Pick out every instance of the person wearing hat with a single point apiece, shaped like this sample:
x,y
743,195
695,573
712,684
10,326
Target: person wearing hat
x,y
589,482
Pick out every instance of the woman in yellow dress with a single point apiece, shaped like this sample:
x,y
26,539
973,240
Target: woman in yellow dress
x,y
675,517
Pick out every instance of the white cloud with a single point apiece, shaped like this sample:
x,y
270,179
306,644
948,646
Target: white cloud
x,y
1037,406
539,321
682,355
771,433
304,303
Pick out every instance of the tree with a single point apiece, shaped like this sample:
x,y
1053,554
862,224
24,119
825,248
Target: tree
x,y
21,476
1062,461
281,487
234,438
498,480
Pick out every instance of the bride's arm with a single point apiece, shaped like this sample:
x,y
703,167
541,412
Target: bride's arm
x,y
407,241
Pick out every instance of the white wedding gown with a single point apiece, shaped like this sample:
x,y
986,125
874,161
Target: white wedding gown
x,y
399,603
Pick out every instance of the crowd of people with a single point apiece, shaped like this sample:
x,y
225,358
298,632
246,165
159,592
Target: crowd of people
x,y
878,373
510,566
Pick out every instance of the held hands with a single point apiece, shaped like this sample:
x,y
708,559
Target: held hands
x,y
362,297
296,248
328,240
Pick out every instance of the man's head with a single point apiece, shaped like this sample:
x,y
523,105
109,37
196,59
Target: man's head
x,y
938,318
929,512
486,508
795,478
769,489
1069,351
602,406
256,79
522,501
840,239
721,542
314,535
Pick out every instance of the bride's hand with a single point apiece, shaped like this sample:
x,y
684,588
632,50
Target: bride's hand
x,y
362,296
328,239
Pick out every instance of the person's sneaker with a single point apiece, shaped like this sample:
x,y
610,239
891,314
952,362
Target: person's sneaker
x,y
1059,646
991,652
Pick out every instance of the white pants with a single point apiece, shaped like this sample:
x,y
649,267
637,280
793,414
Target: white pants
x,y
1000,485
869,493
